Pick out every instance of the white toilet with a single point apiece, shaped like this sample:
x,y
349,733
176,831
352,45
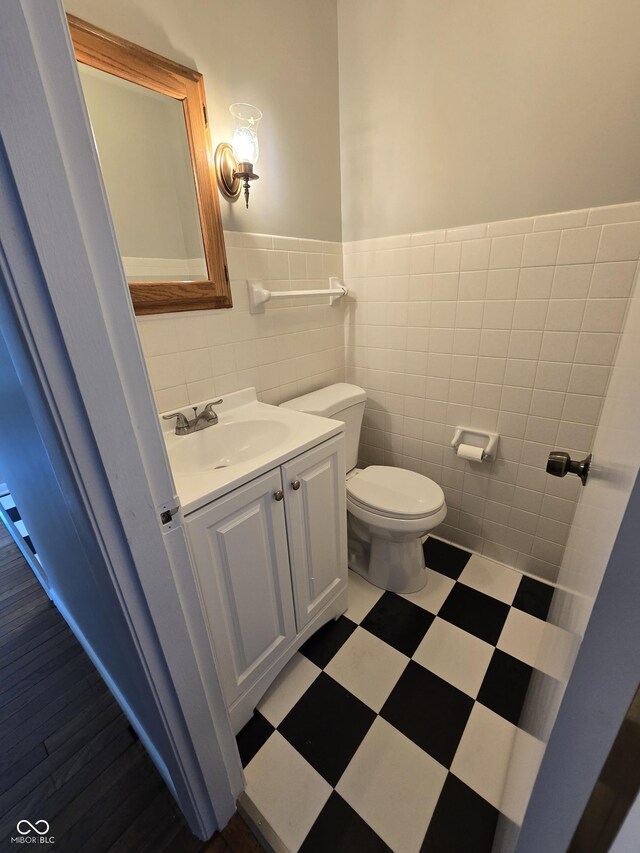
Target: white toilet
x,y
390,510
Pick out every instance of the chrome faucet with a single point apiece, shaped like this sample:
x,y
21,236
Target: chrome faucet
x,y
206,418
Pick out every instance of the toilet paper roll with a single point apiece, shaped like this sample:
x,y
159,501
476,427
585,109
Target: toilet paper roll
x,y
468,451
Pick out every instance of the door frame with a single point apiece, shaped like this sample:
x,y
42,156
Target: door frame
x,y
71,314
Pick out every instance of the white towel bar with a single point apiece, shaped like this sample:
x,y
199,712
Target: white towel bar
x,y
259,295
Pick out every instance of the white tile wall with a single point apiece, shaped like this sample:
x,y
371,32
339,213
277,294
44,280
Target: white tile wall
x,y
294,347
509,326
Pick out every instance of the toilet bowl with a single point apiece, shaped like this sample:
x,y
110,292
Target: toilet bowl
x,y
389,510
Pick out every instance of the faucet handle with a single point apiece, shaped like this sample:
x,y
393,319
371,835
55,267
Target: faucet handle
x,y
208,409
182,424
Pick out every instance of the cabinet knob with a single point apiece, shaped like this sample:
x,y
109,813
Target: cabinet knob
x,y
295,485
278,495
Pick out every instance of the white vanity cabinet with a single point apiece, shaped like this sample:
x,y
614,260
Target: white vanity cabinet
x,y
271,559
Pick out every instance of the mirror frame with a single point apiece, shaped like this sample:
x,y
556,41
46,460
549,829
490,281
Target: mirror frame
x,y
115,55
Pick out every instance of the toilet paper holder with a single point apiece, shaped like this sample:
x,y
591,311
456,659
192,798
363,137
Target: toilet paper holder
x,y
489,449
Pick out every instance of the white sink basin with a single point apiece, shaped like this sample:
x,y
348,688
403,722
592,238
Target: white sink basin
x,y
249,439
225,444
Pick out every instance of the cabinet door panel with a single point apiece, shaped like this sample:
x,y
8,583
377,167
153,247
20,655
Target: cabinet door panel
x,y
316,526
240,548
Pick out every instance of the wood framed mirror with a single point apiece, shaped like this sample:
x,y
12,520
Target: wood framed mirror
x,y
150,125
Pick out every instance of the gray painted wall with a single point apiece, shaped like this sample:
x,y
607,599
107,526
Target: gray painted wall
x,y
465,112
43,487
280,55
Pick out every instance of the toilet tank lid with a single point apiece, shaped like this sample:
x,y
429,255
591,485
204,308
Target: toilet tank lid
x,y
328,401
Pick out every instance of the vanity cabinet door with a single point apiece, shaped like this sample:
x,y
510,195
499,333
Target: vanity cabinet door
x,y
240,549
315,497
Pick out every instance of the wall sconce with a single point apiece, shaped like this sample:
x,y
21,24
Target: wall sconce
x,y
234,163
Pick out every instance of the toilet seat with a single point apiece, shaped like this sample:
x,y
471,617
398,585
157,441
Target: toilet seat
x,y
390,492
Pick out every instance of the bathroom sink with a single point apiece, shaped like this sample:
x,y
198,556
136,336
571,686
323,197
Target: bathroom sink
x,y
226,444
249,439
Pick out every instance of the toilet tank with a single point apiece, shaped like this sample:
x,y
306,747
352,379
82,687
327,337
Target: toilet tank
x,y
342,402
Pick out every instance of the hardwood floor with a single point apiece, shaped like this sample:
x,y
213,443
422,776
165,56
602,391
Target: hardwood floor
x,y
69,755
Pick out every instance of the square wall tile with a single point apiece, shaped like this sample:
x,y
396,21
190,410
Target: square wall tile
x,y
620,242
447,257
613,279
540,249
572,282
475,254
506,252
579,245
604,315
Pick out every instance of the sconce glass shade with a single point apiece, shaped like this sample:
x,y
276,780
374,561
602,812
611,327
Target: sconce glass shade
x,y
245,137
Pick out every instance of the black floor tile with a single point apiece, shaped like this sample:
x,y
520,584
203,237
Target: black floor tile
x,y
398,622
445,558
326,726
533,597
505,686
463,822
30,544
253,737
429,711
13,513
341,830
475,612
324,644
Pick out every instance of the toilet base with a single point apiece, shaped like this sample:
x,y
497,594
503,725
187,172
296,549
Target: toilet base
x,y
393,566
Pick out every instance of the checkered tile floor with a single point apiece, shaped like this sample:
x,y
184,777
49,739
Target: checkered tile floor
x,y
11,512
396,727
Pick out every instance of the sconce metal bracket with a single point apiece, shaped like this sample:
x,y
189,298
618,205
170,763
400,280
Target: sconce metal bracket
x,y
226,165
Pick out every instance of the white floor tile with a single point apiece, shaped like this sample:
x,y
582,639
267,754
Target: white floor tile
x,y
523,768
294,680
394,786
433,595
367,667
492,578
483,756
455,655
362,596
539,644
286,790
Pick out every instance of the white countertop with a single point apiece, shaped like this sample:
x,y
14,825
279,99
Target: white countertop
x,y
199,487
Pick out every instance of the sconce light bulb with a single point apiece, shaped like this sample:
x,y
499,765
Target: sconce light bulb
x,y
245,137
245,145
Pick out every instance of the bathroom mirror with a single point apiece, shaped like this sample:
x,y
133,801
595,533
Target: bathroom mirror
x,y
150,125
